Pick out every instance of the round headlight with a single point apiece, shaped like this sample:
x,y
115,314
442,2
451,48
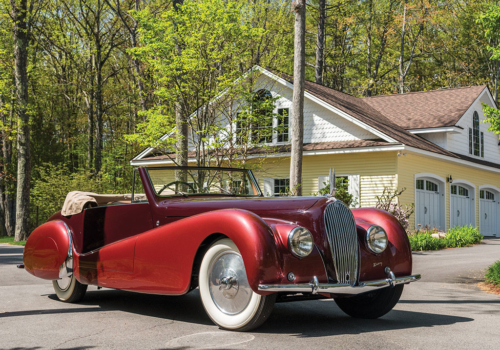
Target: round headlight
x,y
300,241
376,238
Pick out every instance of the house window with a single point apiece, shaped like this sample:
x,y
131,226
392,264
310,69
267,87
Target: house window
x,y
262,115
476,138
476,135
283,124
427,185
431,186
420,184
482,144
489,195
470,140
281,186
462,191
241,129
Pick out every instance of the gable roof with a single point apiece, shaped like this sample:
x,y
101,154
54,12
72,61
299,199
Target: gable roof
x,y
359,109
426,109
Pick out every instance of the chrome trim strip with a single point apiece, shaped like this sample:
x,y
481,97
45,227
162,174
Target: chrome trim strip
x,y
343,240
338,288
66,268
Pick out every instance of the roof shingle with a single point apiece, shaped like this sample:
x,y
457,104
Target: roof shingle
x,y
426,109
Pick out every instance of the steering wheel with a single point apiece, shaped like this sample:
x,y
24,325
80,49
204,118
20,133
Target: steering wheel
x,y
174,183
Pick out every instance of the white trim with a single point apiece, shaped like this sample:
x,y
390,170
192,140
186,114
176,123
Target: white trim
x,y
328,106
473,104
287,154
450,159
430,175
474,199
465,182
482,187
442,201
452,129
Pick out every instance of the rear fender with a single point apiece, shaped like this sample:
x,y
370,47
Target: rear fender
x,y
48,249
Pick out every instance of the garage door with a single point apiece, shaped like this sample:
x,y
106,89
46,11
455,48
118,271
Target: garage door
x,y
488,213
427,208
461,205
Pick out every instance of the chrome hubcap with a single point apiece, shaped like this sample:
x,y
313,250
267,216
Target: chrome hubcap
x,y
64,282
228,283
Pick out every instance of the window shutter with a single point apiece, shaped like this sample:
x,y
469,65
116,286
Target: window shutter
x,y
354,188
322,179
268,187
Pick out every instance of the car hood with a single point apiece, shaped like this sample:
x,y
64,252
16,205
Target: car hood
x,y
262,206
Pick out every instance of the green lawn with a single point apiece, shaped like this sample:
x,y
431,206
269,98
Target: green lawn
x,y
10,240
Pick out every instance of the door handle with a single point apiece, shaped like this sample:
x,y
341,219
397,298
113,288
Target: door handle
x,y
458,213
485,216
425,210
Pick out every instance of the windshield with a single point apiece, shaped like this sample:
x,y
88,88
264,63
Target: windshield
x,y
189,181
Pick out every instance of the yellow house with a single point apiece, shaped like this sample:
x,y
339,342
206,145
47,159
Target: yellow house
x,y
432,143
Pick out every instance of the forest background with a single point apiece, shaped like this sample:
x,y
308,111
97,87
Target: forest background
x,y
85,85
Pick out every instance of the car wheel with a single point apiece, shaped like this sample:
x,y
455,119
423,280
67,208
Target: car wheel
x,y
371,305
69,290
225,293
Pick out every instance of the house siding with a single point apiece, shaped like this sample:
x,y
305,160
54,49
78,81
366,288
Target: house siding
x,y
320,124
459,142
377,170
411,164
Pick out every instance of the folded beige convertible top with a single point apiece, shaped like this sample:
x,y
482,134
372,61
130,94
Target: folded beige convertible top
x,y
75,201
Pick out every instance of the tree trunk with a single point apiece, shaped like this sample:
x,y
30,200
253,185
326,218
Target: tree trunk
x,y
298,98
369,50
497,82
90,116
98,98
401,54
21,36
180,114
5,178
320,42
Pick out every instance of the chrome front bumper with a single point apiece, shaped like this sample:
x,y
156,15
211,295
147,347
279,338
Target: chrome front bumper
x,y
315,287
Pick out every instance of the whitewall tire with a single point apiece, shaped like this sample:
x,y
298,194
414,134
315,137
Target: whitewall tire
x,y
225,293
69,290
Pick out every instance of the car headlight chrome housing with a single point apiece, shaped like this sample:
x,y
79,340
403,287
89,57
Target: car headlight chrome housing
x,y
376,239
300,242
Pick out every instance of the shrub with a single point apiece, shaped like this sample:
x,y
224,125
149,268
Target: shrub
x,y
462,236
493,274
389,201
341,193
425,241
54,183
456,237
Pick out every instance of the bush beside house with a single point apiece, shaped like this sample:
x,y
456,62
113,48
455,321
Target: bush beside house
x,y
455,237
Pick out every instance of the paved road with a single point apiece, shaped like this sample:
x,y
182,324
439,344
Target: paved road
x,y
444,311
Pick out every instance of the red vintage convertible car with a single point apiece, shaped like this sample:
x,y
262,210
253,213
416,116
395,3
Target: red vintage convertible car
x,y
212,228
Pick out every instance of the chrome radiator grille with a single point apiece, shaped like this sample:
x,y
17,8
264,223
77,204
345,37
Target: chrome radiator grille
x,y
343,240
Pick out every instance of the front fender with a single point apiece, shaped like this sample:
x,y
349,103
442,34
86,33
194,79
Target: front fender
x,y
397,256
164,256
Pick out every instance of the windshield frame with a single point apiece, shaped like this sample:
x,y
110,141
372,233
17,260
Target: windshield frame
x,y
251,176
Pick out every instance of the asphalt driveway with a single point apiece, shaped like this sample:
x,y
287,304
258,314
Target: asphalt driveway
x,y
443,311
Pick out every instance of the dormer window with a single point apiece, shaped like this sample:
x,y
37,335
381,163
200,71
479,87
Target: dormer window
x,y
476,138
